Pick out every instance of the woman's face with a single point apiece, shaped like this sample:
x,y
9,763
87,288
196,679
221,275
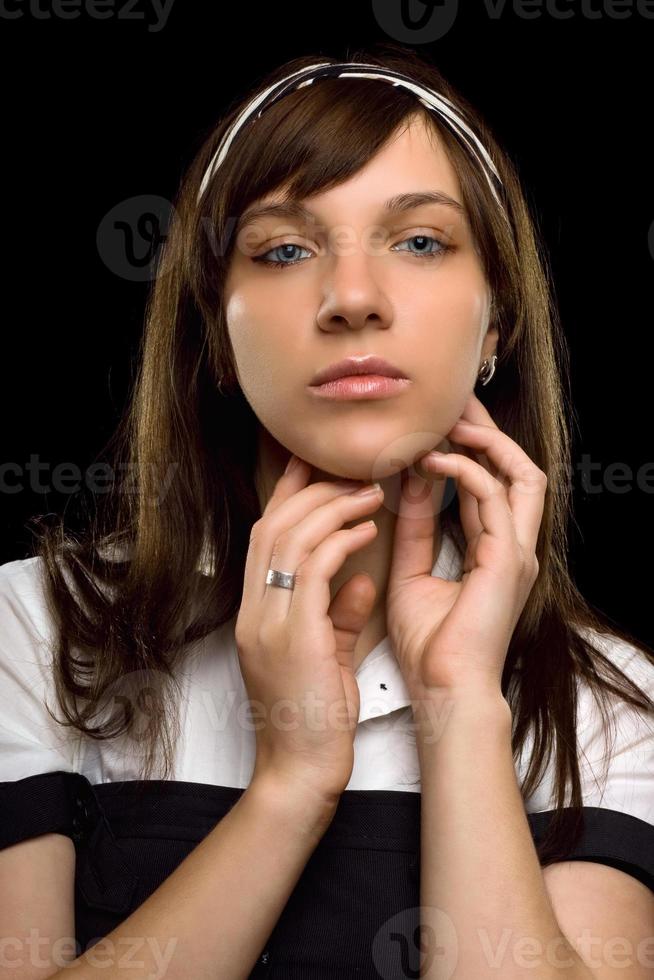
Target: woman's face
x,y
355,281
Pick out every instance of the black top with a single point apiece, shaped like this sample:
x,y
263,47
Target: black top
x,y
354,911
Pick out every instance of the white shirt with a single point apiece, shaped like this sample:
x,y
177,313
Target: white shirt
x,y
218,728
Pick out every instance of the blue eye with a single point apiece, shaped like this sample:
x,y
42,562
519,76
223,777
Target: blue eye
x,y
279,264
278,248
427,238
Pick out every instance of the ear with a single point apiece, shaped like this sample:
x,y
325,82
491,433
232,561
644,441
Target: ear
x,y
489,346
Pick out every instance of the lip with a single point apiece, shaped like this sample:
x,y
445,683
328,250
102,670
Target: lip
x,y
360,387
364,365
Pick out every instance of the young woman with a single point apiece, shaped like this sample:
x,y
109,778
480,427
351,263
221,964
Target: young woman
x,y
364,728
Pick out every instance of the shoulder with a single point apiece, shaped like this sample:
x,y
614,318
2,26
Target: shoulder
x,y
615,746
22,603
627,656
615,754
617,760
30,739
630,728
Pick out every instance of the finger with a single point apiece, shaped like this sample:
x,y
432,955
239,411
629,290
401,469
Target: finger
x,y
289,482
294,479
311,597
297,542
527,483
492,503
349,611
290,501
482,459
468,506
476,412
413,539
468,509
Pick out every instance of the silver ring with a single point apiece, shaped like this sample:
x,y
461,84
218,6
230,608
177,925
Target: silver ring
x,y
284,580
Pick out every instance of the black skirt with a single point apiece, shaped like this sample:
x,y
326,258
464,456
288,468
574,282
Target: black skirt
x,y
354,911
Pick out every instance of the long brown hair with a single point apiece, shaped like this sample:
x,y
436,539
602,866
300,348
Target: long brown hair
x,y
127,593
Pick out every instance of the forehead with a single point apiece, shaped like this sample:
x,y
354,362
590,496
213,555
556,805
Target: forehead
x,y
410,169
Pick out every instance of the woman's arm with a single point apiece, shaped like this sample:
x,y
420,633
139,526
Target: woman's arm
x,y
212,916
484,905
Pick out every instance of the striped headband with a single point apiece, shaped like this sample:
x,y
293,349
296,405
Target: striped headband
x,y
306,76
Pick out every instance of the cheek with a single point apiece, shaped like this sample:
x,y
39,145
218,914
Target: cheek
x,y
454,294
453,322
261,337
469,321
251,333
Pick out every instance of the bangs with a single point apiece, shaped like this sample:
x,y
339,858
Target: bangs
x,y
316,138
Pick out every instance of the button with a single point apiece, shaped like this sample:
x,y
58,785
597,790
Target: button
x,y
82,810
80,818
263,965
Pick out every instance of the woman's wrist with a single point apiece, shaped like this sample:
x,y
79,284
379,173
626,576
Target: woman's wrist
x,y
294,797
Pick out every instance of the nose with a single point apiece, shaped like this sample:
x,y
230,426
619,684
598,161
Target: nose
x,y
353,293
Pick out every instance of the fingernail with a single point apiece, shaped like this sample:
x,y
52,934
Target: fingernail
x,y
365,491
434,454
292,464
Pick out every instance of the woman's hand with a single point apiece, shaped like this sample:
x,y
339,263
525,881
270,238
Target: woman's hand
x,y
296,647
454,635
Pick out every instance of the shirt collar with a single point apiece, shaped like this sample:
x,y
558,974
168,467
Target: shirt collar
x,y
382,688
381,685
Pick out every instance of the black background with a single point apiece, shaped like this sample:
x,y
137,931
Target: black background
x,y
96,111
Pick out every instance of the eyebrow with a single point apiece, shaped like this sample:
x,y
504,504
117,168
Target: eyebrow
x,y
394,205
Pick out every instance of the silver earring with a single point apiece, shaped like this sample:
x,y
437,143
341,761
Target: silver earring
x,y
486,373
